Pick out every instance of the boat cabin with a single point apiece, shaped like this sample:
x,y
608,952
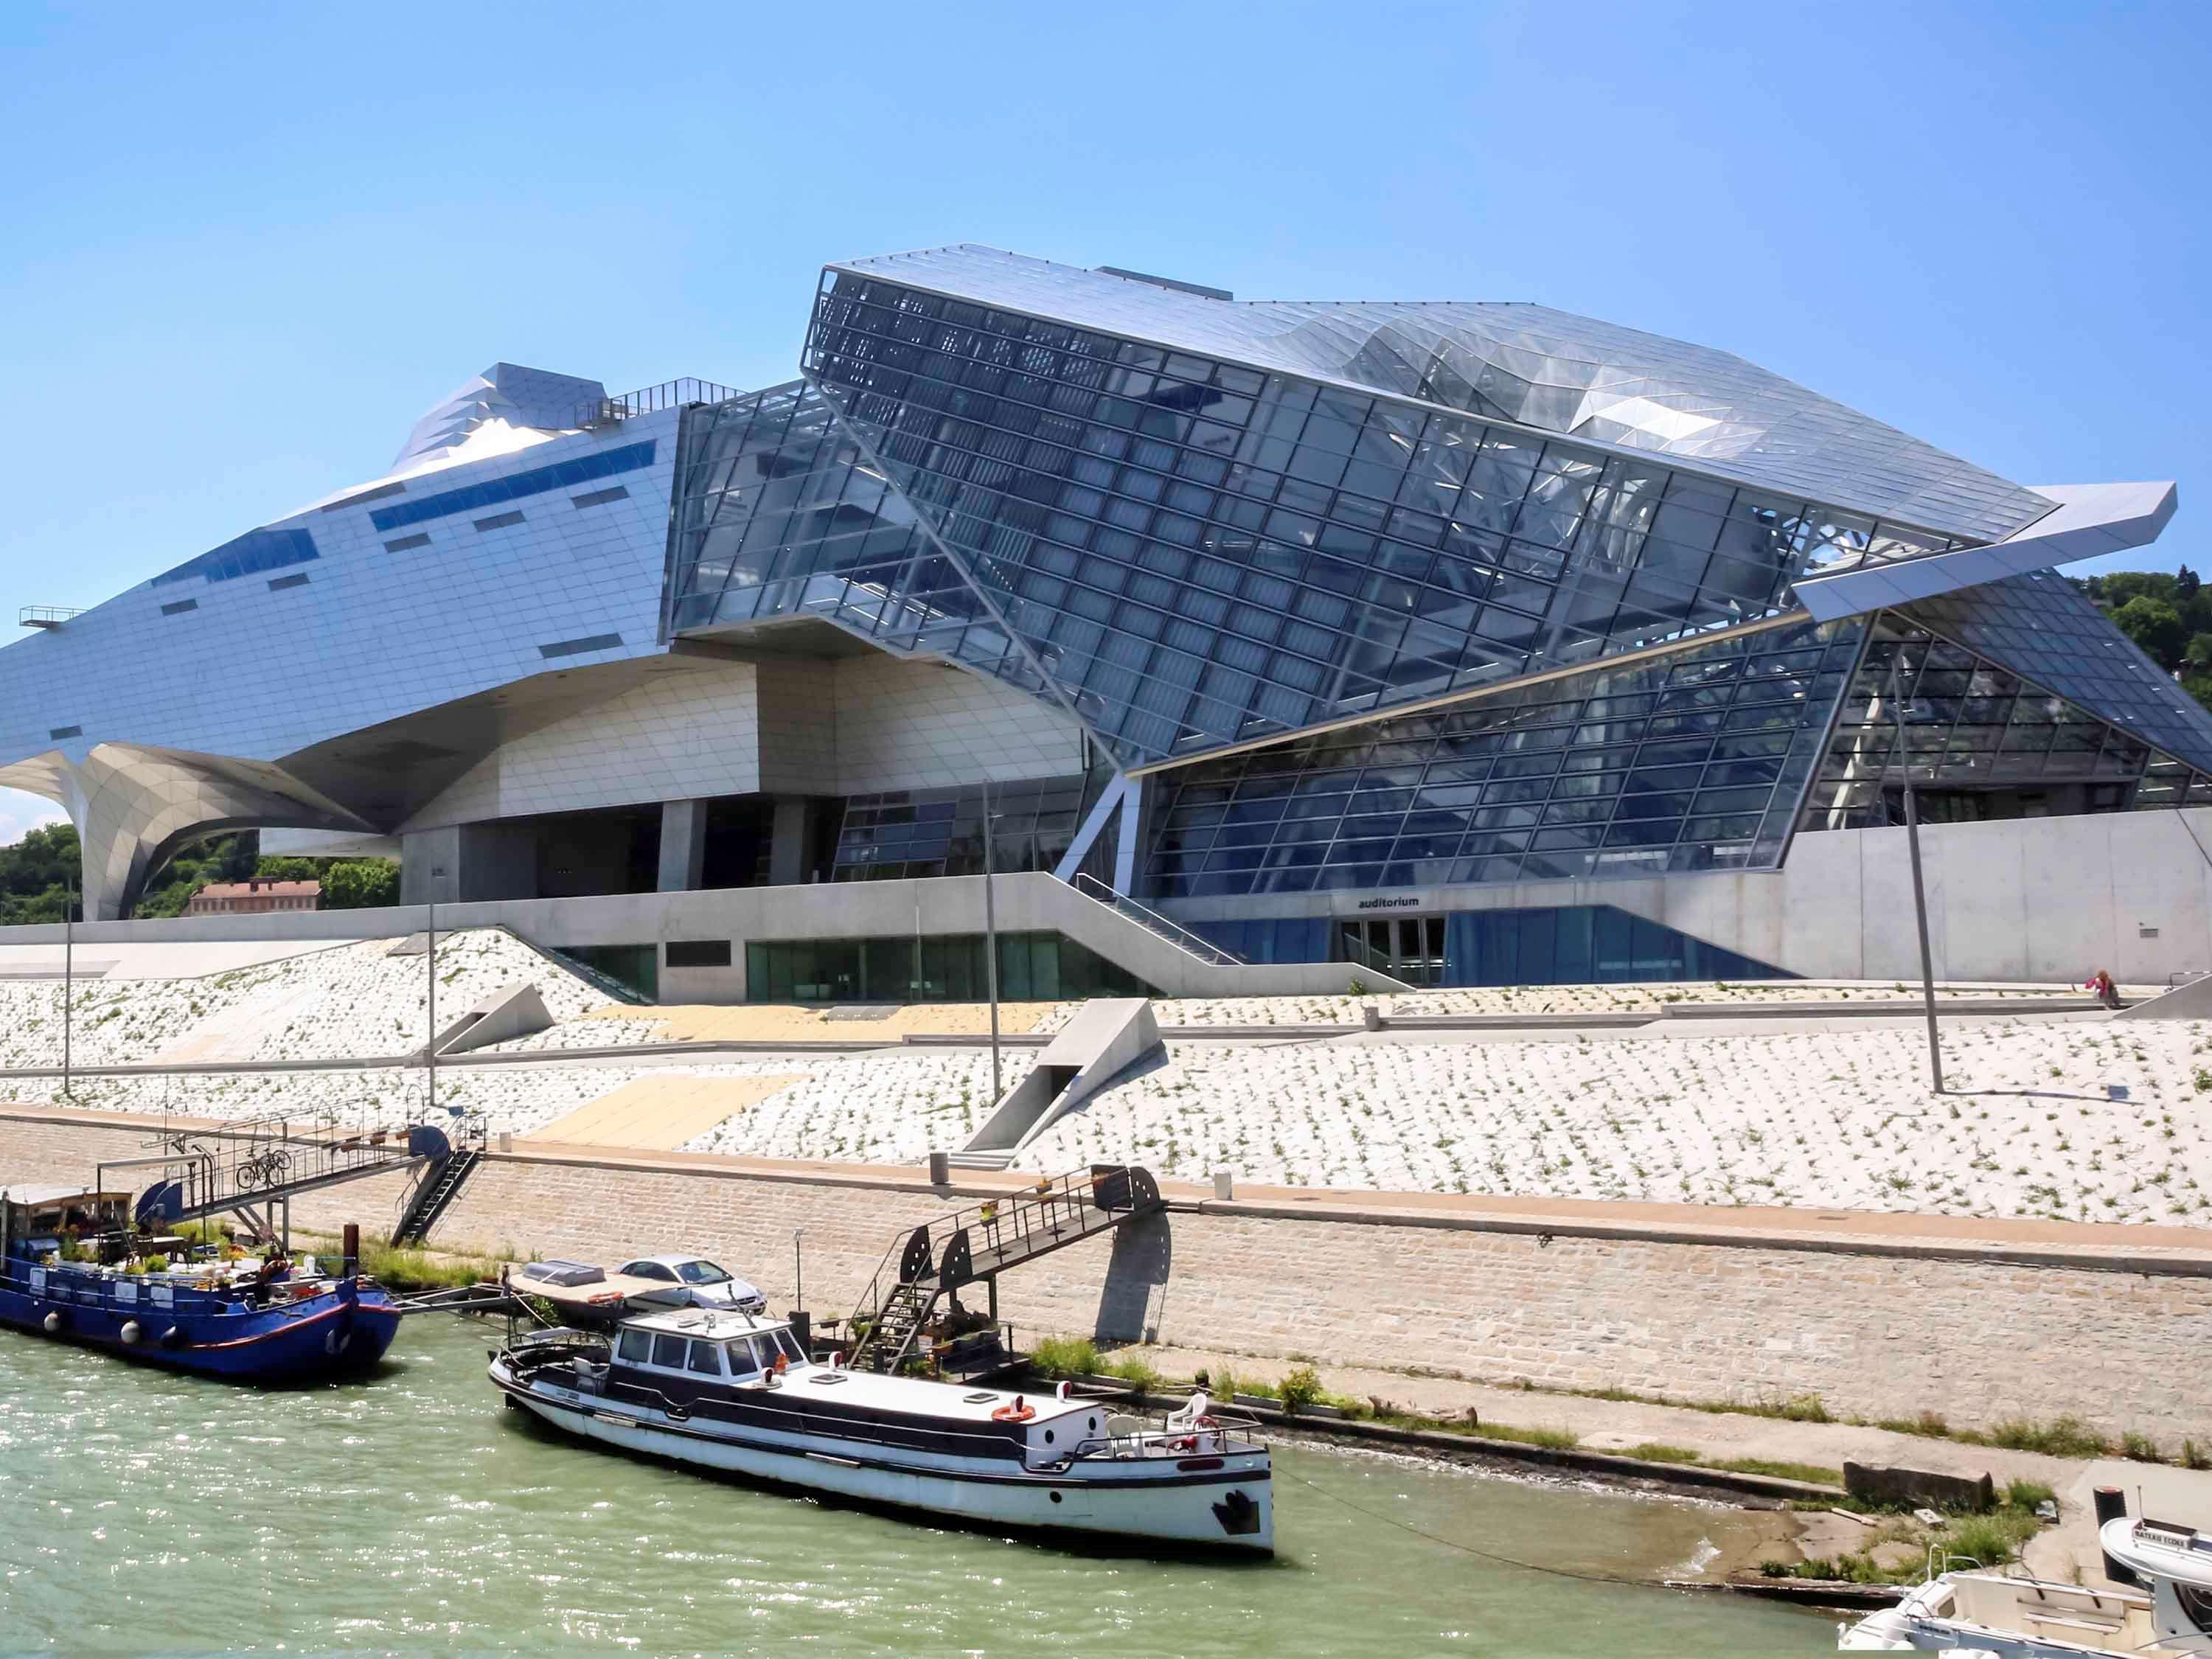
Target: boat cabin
x,y
36,1220
719,1363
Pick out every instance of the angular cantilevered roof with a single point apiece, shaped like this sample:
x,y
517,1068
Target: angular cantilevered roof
x,y
1528,364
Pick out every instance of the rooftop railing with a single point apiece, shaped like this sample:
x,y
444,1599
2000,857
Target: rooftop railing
x,y
594,413
47,615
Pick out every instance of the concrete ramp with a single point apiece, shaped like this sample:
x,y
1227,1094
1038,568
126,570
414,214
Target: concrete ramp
x,y
2190,1001
516,1012
660,1113
1107,1036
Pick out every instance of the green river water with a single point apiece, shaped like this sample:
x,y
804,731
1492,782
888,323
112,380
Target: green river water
x,y
144,1513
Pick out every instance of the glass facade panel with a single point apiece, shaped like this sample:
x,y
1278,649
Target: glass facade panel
x,y
2043,624
938,832
1571,945
1977,739
982,484
1032,967
1451,794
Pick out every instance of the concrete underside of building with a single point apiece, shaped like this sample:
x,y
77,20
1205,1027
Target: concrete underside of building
x,y
1884,1316
1258,648
2036,899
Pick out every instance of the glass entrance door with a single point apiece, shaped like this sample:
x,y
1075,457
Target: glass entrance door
x,y
1410,949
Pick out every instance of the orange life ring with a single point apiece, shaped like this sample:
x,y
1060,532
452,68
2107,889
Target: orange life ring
x,y
1017,1412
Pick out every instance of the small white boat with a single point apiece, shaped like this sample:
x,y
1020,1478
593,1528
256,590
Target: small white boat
x,y
2170,1617
728,1392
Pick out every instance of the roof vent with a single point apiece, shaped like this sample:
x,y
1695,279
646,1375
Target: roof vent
x,y
1203,292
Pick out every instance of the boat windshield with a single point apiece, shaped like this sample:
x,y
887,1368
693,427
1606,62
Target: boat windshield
x,y
701,1272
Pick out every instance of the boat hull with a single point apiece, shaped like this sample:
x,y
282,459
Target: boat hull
x,y
337,1335
1183,1512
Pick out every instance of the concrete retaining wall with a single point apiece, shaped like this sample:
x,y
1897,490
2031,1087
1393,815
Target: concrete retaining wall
x,y
1874,1335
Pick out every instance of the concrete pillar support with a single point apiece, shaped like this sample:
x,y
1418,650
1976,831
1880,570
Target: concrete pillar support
x,y
789,837
682,845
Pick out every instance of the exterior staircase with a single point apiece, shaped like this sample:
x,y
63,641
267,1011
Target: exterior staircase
x,y
435,1190
978,1243
1153,922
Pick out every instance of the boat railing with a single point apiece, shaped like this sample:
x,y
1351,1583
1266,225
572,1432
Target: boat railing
x,y
1222,1431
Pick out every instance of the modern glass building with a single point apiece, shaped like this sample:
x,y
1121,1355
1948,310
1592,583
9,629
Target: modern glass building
x,y
1336,631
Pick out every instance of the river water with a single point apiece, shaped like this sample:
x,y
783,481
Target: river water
x,y
141,1513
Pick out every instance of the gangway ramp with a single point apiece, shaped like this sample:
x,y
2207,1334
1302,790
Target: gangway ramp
x,y
978,1243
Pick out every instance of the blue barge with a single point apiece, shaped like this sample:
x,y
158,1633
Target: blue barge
x,y
247,1322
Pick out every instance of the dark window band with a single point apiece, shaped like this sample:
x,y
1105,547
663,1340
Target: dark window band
x,y
576,648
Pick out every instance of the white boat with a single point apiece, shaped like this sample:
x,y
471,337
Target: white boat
x,y
728,1392
2169,1617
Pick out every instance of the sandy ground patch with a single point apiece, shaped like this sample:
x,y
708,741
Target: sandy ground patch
x,y
662,1112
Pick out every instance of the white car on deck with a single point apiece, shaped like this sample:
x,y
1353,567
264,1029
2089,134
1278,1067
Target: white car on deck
x,y
692,1281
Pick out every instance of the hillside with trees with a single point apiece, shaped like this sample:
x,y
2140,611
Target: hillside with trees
x,y
37,873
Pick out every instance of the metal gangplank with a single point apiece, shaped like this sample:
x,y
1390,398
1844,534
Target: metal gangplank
x,y
983,1241
255,1166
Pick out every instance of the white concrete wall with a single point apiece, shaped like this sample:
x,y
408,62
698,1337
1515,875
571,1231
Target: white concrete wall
x,y
697,728
692,729
2026,899
878,722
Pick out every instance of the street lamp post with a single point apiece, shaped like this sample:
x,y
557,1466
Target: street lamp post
x,y
430,956
991,945
1920,916
68,978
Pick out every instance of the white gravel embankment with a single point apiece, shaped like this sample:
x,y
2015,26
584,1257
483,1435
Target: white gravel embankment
x,y
1841,1117
351,1000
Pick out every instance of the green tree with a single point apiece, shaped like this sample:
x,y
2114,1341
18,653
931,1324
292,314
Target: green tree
x,y
2155,625
274,867
2123,587
361,884
36,875
2197,653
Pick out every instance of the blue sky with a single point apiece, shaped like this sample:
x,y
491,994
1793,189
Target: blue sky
x,y
248,246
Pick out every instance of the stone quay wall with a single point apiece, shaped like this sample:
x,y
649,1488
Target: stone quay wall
x,y
1876,1334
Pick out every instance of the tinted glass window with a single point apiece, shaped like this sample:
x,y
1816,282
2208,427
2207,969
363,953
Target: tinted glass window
x,y
636,1347
701,1272
669,1351
706,1358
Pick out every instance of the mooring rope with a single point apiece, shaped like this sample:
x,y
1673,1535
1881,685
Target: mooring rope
x,y
1469,1549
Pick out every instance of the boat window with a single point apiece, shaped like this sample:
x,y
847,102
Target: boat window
x,y
669,1351
741,1358
702,1273
636,1347
789,1344
706,1358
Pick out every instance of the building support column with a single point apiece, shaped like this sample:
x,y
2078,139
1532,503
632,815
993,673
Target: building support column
x,y
682,845
789,837
1126,863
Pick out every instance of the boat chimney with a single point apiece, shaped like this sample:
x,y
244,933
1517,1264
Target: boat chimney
x,y
352,1249
2111,1504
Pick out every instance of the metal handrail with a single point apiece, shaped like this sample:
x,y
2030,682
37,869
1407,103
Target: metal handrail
x,y
1175,934
650,400
47,615
1024,1212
